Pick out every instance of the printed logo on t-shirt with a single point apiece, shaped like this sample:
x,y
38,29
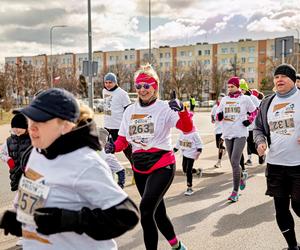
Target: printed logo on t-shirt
x,y
282,119
107,104
232,110
141,128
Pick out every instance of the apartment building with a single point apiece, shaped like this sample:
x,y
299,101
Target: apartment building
x,y
246,58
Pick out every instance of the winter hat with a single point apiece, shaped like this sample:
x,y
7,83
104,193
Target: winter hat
x,y
222,95
244,85
19,121
234,81
53,103
110,77
298,76
287,70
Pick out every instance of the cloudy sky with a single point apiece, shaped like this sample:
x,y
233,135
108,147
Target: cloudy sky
x,y
121,24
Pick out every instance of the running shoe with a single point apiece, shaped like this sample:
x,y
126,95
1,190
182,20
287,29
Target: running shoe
x,y
218,164
181,247
233,197
293,248
199,172
243,180
248,162
261,159
19,242
189,191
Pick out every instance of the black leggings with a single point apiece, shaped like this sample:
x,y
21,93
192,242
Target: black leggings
x,y
152,187
127,151
187,167
285,219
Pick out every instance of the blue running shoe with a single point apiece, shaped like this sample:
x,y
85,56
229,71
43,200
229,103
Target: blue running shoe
x,y
233,197
180,247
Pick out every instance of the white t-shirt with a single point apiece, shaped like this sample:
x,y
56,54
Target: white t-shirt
x,y
284,121
235,112
218,124
75,180
189,143
114,104
112,161
149,127
256,102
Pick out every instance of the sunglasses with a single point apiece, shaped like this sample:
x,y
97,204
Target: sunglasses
x,y
144,85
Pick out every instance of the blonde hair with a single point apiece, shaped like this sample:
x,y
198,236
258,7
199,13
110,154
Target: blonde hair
x,y
85,113
148,70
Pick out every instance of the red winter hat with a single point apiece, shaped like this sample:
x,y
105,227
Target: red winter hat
x,y
234,81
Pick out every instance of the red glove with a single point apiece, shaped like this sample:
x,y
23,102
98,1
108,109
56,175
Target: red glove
x,y
11,163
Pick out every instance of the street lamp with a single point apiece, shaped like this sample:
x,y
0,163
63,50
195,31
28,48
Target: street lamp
x,y
51,62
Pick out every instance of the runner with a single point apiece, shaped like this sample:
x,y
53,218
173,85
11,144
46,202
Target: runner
x,y
116,100
233,111
218,132
67,198
278,125
146,125
191,147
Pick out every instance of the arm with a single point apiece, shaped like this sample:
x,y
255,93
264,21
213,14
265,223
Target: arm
x,y
97,223
259,134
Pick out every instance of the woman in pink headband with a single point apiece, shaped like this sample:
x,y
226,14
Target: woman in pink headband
x,y
146,126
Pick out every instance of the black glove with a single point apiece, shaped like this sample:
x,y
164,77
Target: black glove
x,y
220,116
175,150
15,175
52,220
10,224
174,103
121,178
246,123
110,146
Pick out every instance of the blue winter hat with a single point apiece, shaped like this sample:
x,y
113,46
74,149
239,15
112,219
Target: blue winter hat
x,y
110,77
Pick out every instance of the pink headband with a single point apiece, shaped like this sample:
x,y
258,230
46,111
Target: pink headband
x,y
141,78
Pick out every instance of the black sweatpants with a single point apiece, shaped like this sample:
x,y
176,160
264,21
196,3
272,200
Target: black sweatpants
x,y
152,187
187,167
127,151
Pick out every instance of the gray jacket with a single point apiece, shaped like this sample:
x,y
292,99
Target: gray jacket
x,y
261,132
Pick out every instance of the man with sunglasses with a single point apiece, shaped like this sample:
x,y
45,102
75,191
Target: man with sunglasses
x,y
116,100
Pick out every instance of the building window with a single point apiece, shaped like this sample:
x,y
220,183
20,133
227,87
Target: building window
x,y
207,52
232,50
132,57
190,63
251,50
111,58
206,62
199,52
251,59
167,55
161,55
190,53
243,59
161,65
224,61
224,50
251,70
182,53
243,49
126,57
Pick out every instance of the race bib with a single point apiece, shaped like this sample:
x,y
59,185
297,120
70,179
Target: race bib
x,y
32,195
141,129
282,120
232,110
184,144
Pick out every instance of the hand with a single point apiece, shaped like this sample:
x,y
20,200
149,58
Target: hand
x,y
110,147
52,220
121,178
246,123
15,175
261,149
220,116
11,163
10,224
174,103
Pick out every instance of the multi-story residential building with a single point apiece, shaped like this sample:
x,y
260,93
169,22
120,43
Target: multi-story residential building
x,y
249,59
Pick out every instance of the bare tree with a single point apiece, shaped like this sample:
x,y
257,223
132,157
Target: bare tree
x,y
220,76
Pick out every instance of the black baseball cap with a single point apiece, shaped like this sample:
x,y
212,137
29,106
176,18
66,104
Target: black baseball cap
x,y
53,103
